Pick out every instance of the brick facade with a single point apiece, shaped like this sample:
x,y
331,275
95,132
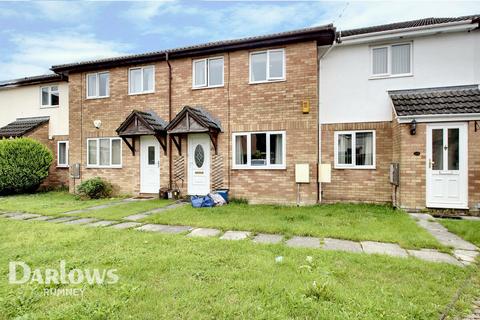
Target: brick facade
x,y
57,177
239,106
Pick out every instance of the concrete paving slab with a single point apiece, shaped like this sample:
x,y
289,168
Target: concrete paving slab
x,y
303,242
235,235
81,221
24,216
421,216
268,238
466,256
204,232
12,214
126,225
102,223
433,256
164,228
341,245
62,219
471,218
135,217
42,218
390,249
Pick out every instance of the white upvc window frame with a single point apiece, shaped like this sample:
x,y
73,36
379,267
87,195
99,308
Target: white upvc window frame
x,y
353,165
268,166
389,61
62,165
97,85
142,68
206,82
49,105
110,166
268,78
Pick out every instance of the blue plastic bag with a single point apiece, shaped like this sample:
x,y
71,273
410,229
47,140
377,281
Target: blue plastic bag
x,y
196,201
208,202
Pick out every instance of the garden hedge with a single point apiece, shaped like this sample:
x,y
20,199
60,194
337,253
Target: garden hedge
x,y
24,164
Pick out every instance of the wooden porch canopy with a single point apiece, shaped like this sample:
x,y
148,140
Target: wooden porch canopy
x,y
193,120
142,123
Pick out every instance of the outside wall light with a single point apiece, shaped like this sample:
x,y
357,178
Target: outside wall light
x,y
413,127
97,123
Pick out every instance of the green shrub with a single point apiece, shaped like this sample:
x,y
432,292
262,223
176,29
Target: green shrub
x,y
95,188
24,164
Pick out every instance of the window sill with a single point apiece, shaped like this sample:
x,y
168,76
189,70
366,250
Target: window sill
x,y
63,166
267,81
355,167
95,98
49,107
104,167
259,168
209,87
140,93
406,75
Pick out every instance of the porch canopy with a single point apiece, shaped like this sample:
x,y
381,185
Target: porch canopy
x,y
193,120
142,123
22,126
436,103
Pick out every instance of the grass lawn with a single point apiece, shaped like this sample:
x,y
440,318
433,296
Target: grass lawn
x,y
345,221
54,202
466,229
175,277
125,209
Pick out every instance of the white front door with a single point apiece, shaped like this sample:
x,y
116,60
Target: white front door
x,y
149,164
198,164
447,166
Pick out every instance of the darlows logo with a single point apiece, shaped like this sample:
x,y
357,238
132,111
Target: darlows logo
x,y
21,273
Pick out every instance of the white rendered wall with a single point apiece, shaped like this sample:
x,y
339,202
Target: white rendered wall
x,y
23,102
347,94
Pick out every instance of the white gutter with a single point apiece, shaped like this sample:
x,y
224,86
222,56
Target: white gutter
x,y
439,117
409,32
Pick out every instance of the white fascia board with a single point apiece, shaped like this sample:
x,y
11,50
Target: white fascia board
x,y
410,32
439,118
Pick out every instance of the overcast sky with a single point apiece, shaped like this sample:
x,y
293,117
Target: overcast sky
x,y
36,35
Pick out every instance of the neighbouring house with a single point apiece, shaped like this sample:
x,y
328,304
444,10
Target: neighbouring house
x,y
405,93
37,107
236,114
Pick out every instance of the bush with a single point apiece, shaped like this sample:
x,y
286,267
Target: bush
x,y
24,164
95,188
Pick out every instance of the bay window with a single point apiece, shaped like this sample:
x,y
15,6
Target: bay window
x,y
355,149
259,150
104,152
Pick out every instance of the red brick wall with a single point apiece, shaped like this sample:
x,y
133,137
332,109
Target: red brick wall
x,y
238,105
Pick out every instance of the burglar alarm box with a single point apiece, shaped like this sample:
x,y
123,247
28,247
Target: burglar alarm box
x,y
395,174
302,173
306,106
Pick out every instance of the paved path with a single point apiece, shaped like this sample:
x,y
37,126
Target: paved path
x,y
461,255
139,216
103,206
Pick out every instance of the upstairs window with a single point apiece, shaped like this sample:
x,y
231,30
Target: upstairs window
x,y
98,85
62,154
49,97
141,80
208,73
267,66
259,150
392,60
355,149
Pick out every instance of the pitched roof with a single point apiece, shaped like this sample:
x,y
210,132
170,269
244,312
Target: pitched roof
x,y
152,121
408,24
436,101
200,115
21,126
32,80
322,34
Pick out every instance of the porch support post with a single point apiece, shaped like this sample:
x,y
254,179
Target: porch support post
x,y
178,143
214,137
162,139
130,146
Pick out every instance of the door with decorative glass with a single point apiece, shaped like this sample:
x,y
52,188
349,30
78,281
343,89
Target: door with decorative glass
x,y
198,164
447,171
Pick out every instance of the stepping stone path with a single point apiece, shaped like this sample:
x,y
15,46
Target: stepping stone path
x,y
268,238
24,216
303,242
235,235
81,221
126,225
434,256
139,216
42,218
341,245
390,249
103,223
463,250
204,233
62,219
163,228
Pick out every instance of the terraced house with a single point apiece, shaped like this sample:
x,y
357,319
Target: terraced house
x,y
237,114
